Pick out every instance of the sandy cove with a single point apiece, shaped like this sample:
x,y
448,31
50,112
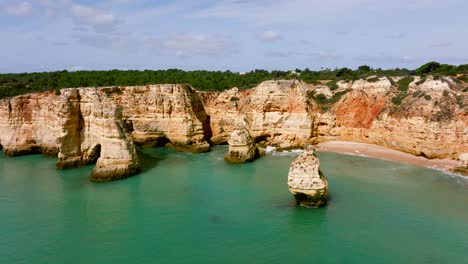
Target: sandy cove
x,y
378,152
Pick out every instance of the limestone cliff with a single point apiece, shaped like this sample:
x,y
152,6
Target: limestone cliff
x,y
430,121
93,131
278,113
29,124
428,117
100,125
241,146
161,114
306,182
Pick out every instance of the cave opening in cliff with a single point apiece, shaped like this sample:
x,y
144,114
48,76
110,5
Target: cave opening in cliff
x,y
262,139
422,154
94,154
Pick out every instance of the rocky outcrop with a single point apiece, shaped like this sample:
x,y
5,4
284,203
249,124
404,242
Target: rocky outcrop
x,y
170,114
29,124
306,182
278,113
100,125
224,109
79,126
428,117
93,131
431,120
463,168
241,146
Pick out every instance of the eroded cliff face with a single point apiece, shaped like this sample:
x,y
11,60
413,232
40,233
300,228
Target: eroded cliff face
x,y
427,118
277,113
88,125
241,146
93,131
161,114
430,121
306,182
80,126
29,124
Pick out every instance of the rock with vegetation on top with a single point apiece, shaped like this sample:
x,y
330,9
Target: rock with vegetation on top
x,y
241,146
306,182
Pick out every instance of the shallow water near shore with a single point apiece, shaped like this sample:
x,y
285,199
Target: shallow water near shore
x,y
195,208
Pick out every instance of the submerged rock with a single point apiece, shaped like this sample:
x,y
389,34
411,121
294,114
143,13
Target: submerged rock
x,y
306,182
241,146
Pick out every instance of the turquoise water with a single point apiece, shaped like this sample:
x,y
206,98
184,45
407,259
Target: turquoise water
x,y
187,208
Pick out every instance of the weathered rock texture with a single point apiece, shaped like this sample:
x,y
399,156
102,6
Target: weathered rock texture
x,y
241,146
29,124
278,113
93,131
88,125
431,120
161,114
306,182
463,168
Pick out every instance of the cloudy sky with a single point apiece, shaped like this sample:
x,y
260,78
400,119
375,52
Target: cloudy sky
x,y
237,35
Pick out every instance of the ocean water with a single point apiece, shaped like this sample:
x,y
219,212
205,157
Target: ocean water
x,y
195,208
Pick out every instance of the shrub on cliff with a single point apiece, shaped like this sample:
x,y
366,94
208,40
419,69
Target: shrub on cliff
x,y
321,98
396,100
404,83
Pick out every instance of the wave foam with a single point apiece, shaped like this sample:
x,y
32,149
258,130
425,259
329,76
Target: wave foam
x,y
294,152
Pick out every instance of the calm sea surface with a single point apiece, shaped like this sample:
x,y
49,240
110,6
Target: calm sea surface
x,y
187,208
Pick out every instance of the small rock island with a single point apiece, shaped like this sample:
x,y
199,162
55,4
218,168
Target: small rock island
x,y
242,147
306,182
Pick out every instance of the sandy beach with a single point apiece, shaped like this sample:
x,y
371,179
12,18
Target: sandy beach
x,y
378,152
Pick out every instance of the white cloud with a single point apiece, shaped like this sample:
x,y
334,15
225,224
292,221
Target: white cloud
x,y
21,9
99,20
282,54
199,44
266,12
53,3
269,35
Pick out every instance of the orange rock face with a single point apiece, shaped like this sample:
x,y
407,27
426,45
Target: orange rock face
x,y
427,118
359,110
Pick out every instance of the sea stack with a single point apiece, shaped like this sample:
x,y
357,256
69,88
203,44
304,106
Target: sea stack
x,y
241,146
306,182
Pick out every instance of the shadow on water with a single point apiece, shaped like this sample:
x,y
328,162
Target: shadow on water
x,y
219,220
148,160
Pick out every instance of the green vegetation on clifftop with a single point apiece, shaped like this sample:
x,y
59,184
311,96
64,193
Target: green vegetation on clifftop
x,y
21,83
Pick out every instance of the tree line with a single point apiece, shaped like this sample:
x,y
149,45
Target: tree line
x,y
12,84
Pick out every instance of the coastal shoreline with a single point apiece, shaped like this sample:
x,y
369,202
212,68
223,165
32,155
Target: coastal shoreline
x,y
379,152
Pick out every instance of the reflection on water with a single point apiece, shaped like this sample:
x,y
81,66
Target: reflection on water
x,y
186,208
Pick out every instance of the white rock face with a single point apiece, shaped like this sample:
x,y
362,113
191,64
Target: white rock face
x,y
94,129
29,124
464,159
172,112
306,182
241,146
282,112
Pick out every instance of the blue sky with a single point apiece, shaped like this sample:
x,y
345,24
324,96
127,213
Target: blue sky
x,y
236,35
